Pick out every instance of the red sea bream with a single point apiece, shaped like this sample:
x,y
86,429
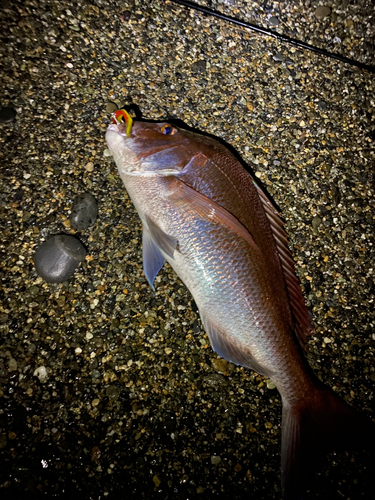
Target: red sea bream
x,y
203,214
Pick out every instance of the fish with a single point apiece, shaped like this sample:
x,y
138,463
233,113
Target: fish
x,y
204,214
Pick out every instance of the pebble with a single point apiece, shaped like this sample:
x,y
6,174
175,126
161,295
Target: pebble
x,y
156,480
199,66
270,384
113,392
278,57
41,373
95,453
57,259
7,115
84,212
274,21
215,460
322,11
220,365
322,106
12,366
126,15
111,107
316,222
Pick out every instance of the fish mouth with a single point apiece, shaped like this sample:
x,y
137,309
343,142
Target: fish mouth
x,y
117,128
123,148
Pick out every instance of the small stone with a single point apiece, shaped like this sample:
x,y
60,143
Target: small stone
x,y
84,212
316,222
270,384
322,11
350,24
199,66
215,460
46,221
57,259
26,216
168,351
322,106
78,350
89,336
60,301
111,107
274,21
214,379
156,481
95,402
125,16
12,366
3,318
95,453
268,425
34,290
278,57
200,490
7,115
113,392
219,365
90,166
335,195
41,373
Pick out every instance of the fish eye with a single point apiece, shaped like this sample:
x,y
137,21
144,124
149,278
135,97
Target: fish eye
x,y
168,130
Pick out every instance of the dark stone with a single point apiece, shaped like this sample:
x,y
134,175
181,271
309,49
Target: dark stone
x,y
84,211
274,21
57,259
125,16
7,115
199,66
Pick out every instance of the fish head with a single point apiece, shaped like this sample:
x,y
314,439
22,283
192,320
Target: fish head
x,y
151,149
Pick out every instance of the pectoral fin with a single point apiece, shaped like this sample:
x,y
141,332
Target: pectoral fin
x,y
185,196
163,241
153,259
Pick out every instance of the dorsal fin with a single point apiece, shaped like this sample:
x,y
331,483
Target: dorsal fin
x,y
296,299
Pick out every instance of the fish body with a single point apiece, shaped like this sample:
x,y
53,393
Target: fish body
x,y
203,214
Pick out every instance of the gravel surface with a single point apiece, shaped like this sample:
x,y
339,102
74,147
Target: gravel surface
x,y
111,390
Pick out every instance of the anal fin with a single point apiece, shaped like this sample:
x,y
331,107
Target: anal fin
x,y
226,348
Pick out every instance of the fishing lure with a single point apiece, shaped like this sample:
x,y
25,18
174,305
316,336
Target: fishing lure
x,y
120,115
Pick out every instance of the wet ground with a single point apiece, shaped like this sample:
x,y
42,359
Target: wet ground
x,y
111,390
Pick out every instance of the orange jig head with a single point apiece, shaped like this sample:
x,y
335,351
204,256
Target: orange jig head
x,y
122,114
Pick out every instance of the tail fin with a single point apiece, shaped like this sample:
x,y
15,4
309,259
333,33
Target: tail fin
x,y
319,424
